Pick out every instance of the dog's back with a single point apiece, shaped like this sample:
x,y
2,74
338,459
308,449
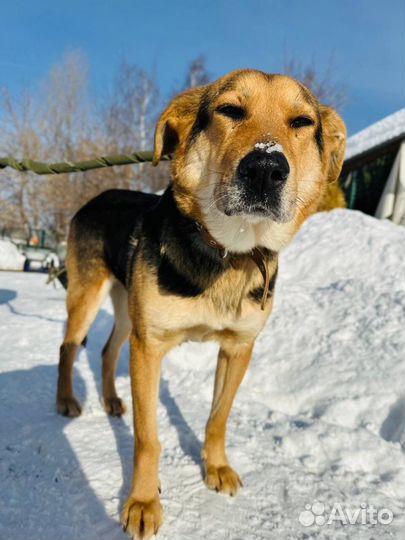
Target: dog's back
x,y
107,227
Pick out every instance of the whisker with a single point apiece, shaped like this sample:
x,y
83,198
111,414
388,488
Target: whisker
x,y
215,201
217,172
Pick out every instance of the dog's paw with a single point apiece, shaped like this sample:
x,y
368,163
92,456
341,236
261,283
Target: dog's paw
x,y
114,406
69,407
142,519
223,479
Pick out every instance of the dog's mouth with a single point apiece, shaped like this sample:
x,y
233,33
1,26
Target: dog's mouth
x,y
237,200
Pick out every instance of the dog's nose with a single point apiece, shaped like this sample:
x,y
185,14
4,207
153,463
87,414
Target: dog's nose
x,y
263,170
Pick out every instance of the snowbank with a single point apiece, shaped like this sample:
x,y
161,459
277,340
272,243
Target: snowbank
x,y
10,257
319,417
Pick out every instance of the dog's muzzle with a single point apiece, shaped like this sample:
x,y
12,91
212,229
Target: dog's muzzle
x,y
258,185
263,172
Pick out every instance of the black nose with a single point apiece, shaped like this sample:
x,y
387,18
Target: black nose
x,y
263,171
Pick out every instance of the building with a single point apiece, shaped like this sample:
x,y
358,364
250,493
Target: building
x,y
373,175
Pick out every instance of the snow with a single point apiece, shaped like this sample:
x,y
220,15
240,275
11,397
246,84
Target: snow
x,y
269,147
10,257
385,130
319,419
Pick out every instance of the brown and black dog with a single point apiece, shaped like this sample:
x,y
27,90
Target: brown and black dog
x,y
252,155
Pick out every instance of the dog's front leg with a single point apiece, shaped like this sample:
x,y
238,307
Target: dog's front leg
x,y
142,514
233,360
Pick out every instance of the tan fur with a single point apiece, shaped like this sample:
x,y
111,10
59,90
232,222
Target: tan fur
x,y
333,198
86,292
120,333
201,170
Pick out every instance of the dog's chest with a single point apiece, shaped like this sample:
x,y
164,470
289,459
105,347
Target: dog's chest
x,y
222,307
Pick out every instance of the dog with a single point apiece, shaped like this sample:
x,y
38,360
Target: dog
x,y
252,156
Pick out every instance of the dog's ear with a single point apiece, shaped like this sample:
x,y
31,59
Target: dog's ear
x,y
176,121
334,137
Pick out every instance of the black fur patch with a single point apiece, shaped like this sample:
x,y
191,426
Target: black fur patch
x,y
175,283
202,119
257,294
311,100
172,244
319,136
170,139
108,227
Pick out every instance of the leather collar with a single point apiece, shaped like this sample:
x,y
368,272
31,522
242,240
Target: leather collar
x,y
256,255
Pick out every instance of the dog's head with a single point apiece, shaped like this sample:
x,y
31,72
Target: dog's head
x,y
252,155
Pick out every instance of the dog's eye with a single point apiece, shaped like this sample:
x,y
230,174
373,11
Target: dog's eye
x,y
301,121
232,111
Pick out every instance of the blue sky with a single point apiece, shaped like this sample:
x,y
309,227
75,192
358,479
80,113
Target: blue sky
x,y
363,38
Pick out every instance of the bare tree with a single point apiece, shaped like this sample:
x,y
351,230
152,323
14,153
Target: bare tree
x,y
64,108
130,111
60,120
20,193
46,124
128,119
197,74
